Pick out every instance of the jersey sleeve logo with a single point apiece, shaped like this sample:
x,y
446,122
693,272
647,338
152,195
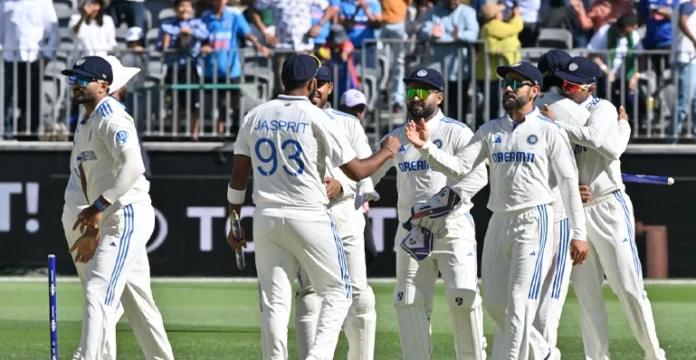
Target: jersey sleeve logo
x,y
438,143
122,136
532,139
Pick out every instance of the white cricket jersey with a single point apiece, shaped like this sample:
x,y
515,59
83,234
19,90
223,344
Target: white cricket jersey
x,y
598,168
526,161
355,134
417,181
289,141
98,142
567,112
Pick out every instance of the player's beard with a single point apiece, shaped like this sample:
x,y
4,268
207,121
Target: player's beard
x,y
318,99
511,101
81,96
421,109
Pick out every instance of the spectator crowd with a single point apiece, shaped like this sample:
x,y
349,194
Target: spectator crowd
x,y
200,39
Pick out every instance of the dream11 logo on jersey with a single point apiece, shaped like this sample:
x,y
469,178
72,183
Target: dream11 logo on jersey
x,y
206,214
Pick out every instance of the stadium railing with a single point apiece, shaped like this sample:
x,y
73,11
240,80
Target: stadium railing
x,y
164,114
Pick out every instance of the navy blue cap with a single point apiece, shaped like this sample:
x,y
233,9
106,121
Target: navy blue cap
x,y
93,67
428,76
325,74
299,68
525,69
553,60
580,70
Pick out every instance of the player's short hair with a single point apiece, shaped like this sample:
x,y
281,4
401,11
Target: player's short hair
x,y
177,2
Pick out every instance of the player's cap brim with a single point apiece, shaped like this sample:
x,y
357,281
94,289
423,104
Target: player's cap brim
x,y
78,72
573,78
504,70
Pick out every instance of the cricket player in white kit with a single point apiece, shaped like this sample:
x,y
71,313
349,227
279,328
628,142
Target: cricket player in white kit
x,y
106,156
528,155
453,255
610,223
361,322
289,143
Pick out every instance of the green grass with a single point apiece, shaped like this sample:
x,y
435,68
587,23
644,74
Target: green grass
x,y
220,321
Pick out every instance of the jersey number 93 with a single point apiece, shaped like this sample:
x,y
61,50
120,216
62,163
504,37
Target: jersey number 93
x,y
270,163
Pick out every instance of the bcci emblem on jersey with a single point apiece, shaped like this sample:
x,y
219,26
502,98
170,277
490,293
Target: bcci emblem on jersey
x,y
122,136
532,139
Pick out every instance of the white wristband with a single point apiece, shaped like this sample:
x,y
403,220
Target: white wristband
x,y
235,196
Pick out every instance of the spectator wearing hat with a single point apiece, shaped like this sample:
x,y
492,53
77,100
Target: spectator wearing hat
x,y
502,39
221,63
93,30
29,35
362,19
181,37
447,25
354,102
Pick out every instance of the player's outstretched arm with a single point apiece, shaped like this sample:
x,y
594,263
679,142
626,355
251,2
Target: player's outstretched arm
x,y
453,166
600,125
616,144
358,169
566,172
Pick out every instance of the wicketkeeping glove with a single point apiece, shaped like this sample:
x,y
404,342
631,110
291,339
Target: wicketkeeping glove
x,y
418,243
432,214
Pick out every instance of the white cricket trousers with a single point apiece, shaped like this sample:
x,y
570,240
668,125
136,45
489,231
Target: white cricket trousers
x,y
360,323
516,259
120,271
613,254
555,287
286,238
455,258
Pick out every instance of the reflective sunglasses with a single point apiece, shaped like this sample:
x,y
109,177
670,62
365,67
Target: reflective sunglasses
x,y
421,93
80,80
570,87
514,84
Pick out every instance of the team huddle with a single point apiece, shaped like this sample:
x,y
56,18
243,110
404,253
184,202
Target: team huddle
x,y
560,215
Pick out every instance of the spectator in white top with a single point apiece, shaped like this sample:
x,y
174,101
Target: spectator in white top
x,y
354,102
130,11
94,31
684,60
28,28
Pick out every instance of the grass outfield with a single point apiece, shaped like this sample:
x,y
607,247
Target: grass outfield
x,y
219,321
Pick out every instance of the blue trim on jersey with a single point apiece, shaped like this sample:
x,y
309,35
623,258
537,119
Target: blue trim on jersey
x,y
327,113
453,121
105,109
561,258
339,112
535,286
124,243
544,118
343,264
631,239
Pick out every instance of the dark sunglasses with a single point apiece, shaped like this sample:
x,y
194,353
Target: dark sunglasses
x,y
514,84
80,80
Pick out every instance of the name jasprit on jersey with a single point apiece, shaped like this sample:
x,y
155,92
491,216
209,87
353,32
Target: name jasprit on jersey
x,y
282,125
